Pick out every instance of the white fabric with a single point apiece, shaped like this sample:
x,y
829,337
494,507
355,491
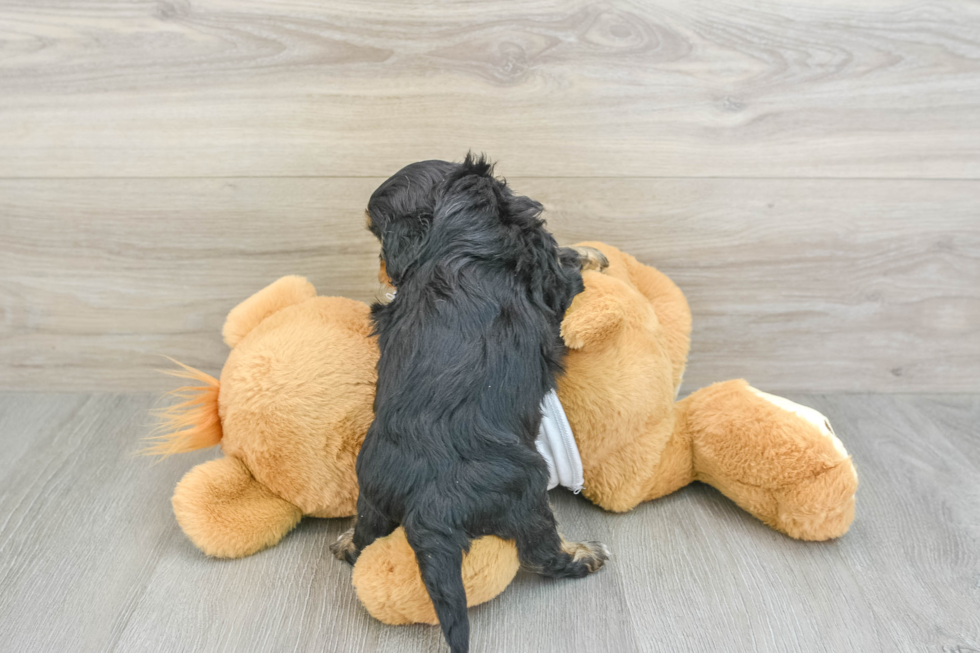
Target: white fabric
x,y
809,414
556,443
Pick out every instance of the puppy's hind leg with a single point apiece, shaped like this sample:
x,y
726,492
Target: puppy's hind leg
x,y
370,526
542,550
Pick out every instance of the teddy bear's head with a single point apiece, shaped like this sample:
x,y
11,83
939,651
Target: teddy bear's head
x,y
296,399
290,412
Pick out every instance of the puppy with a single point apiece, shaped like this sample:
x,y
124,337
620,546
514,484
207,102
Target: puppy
x,y
470,345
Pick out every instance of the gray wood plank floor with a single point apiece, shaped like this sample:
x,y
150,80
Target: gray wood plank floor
x,y
92,560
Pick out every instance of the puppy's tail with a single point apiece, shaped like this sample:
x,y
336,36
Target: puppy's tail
x,y
190,424
440,560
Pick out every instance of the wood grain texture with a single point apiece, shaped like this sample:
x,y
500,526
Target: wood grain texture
x,y
92,560
794,284
773,88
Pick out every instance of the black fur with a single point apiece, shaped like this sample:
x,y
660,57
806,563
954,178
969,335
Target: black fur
x,y
469,347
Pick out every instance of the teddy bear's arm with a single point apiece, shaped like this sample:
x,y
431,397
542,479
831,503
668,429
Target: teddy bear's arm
x,y
596,313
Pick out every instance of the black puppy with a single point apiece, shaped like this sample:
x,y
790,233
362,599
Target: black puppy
x,y
470,345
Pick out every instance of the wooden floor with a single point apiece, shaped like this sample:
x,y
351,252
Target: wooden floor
x,y
91,558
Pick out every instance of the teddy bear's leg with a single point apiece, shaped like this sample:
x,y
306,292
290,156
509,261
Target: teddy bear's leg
x,y
389,584
228,514
776,459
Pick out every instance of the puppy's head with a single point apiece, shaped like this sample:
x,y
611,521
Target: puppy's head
x,y
440,204
400,212
473,199
502,228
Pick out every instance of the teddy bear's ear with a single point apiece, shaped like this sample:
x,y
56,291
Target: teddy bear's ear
x,y
281,293
597,313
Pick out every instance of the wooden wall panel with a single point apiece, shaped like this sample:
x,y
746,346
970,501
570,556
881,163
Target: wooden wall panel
x,y
777,88
817,285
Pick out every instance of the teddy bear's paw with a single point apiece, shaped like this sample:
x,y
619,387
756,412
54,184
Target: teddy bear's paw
x,y
591,258
593,555
343,549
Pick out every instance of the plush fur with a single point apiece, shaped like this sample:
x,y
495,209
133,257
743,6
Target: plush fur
x,y
469,348
388,572
296,399
293,407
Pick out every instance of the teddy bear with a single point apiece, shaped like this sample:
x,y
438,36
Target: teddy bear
x,y
295,400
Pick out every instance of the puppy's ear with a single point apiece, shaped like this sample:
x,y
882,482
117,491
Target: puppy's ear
x,y
554,272
561,275
402,243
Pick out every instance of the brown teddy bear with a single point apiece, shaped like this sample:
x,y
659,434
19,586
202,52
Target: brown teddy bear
x,y
295,400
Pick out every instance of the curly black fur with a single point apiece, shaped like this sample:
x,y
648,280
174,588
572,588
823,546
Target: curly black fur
x,y
469,347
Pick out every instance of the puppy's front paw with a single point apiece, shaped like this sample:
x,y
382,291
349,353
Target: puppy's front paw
x,y
343,549
592,259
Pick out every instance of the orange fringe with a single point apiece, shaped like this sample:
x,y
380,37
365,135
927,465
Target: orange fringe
x,y
190,424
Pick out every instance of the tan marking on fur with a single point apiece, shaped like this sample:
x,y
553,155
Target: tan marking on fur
x,y
592,258
343,545
383,274
593,554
